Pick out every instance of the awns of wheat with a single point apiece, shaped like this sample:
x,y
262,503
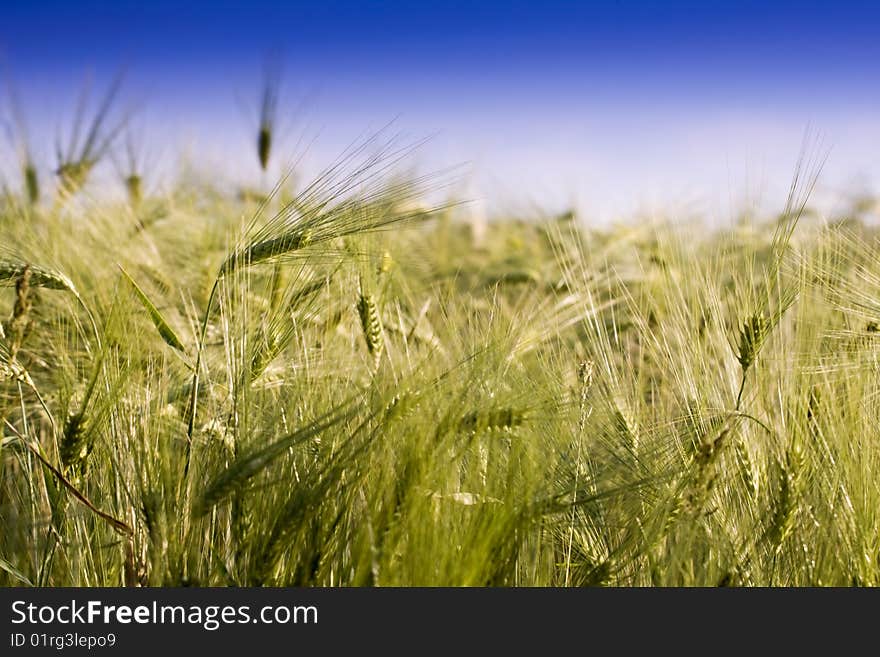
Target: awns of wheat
x,y
77,163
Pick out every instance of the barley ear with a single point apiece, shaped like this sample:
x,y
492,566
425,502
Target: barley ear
x,y
752,335
371,324
74,448
20,323
264,145
785,504
31,183
134,186
503,419
12,270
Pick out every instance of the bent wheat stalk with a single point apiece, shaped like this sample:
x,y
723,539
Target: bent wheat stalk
x,y
118,525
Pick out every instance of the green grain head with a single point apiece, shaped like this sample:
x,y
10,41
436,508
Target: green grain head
x,y
371,324
264,145
31,183
752,335
134,187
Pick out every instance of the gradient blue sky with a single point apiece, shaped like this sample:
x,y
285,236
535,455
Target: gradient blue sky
x,y
612,106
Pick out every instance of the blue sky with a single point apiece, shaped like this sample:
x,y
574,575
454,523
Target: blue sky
x,y
611,106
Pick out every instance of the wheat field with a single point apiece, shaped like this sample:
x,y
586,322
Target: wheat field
x,y
346,383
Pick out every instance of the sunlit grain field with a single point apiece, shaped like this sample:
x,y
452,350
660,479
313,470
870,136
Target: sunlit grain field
x,y
347,382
